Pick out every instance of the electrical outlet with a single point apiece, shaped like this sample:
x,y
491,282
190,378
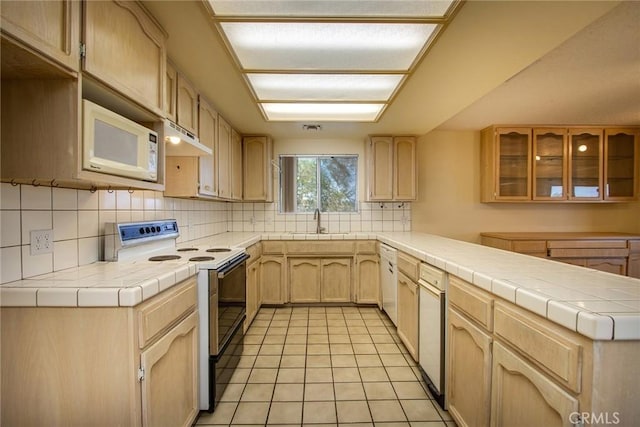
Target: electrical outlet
x,y
41,242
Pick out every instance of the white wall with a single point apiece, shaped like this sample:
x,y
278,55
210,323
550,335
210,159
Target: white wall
x,y
449,198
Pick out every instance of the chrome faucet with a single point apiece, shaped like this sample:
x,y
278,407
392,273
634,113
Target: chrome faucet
x,y
316,216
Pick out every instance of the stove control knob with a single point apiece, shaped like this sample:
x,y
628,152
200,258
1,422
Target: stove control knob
x,y
141,230
147,229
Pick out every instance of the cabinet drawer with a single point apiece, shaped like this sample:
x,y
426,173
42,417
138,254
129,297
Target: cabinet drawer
x,y
585,244
474,302
162,311
634,246
272,247
369,247
254,252
317,247
409,266
589,253
527,246
556,351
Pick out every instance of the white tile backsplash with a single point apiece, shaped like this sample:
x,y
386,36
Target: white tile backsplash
x,y
77,218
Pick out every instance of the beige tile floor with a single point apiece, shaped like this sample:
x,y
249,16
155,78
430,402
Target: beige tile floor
x,y
325,366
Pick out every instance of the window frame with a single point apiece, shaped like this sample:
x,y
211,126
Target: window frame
x,y
281,202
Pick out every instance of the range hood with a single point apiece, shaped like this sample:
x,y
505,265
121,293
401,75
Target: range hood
x,y
181,142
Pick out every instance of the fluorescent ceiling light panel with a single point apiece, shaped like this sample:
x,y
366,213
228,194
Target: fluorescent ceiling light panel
x,y
324,87
322,112
332,8
326,45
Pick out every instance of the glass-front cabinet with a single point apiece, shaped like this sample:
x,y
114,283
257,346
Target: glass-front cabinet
x,y
585,164
549,164
514,163
560,164
622,166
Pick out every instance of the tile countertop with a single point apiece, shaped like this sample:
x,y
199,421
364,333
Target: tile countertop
x,y
599,305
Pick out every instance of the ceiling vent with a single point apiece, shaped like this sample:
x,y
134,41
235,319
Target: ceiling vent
x,y
312,128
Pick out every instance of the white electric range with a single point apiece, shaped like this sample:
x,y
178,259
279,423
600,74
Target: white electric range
x,y
221,286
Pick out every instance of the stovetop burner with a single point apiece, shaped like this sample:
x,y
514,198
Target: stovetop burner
x,y
219,250
202,258
186,249
164,257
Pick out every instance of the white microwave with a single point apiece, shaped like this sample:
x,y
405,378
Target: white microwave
x,y
115,145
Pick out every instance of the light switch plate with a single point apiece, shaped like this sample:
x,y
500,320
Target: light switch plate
x,y
41,242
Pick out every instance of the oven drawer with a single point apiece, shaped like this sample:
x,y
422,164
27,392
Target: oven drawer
x,y
168,308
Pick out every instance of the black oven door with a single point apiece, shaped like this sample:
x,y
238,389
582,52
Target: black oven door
x,y
232,298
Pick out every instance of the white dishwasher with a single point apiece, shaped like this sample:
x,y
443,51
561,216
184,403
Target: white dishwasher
x,y
432,330
389,281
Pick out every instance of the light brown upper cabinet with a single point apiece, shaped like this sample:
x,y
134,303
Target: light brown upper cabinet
x,y
549,164
223,158
52,28
257,158
559,164
208,133
170,92
125,50
506,158
622,164
187,105
585,164
391,168
236,165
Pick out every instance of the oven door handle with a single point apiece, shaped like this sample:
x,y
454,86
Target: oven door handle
x,y
222,272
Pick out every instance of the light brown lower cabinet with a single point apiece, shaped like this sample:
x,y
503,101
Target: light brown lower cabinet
x,y
469,372
272,278
367,279
319,280
254,297
507,366
408,307
79,366
523,396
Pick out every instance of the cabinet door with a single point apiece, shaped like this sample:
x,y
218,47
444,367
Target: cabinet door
x,y
125,49
633,266
253,292
549,164
236,165
304,279
170,92
367,279
585,164
181,176
404,166
513,164
335,283
187,105
380,168
224,158
468,372
621,164
272,281
408,314
208,131
257,178
523,396
170,383
50,27
611,265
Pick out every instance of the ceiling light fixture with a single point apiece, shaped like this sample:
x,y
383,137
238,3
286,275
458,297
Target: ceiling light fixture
x,y
327,60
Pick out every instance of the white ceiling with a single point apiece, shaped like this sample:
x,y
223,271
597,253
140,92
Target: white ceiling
x,y
587,69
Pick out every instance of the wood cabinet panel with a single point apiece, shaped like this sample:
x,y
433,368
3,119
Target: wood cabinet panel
x,y
367,279
472,301
170,92
585,164
254,298
170,386
320,247
304,280
408,308
50,27
257,158
391,168
224,159
187,105
272,279
622,164
409,266
469,372
522,396
335,280
236,165
117,33
405,176
550,167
